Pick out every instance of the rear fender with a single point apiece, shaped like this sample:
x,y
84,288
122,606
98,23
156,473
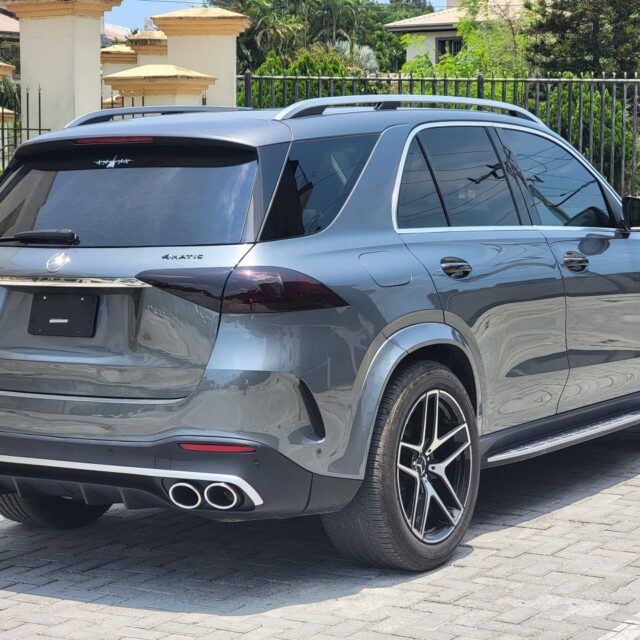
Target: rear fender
x,y
389,356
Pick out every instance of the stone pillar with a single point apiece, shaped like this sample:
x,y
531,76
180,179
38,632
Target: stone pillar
x,y
60,54
117,57
159,84
150,47
205,39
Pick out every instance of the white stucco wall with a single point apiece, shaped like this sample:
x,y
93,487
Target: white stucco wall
x,y
155,58
214,55
69,76
422,43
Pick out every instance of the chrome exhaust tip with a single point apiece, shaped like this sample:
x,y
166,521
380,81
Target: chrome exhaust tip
x,y
221,495
185,495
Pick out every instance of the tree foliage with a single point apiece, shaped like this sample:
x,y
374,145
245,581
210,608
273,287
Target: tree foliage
x,y
583,36
288,27
493,43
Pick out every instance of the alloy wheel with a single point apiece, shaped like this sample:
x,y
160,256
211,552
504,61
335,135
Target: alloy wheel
x,y
434,466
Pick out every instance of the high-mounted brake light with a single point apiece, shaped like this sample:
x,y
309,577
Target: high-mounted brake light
x,y
114,140
246,289
216,448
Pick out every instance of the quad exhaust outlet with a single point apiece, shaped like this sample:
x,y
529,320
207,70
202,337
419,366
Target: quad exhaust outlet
x,y
221,495
218,495
185,495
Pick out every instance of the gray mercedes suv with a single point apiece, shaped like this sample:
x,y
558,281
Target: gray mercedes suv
x,y
346,308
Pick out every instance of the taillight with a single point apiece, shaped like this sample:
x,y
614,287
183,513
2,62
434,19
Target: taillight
x,y
266,289
203,287
246,289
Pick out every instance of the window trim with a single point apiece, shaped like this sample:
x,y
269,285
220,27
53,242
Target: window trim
x,y
488,125
447,39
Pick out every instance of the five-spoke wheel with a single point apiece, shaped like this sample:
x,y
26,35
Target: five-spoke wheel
x,y
421,481
434,466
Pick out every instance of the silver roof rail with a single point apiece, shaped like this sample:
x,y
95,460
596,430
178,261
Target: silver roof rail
x,y
317,106
105,115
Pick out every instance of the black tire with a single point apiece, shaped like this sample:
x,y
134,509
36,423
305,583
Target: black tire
x,y
49,512
374,529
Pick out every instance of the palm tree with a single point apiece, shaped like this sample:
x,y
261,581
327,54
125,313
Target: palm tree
x,y
278,31
337,17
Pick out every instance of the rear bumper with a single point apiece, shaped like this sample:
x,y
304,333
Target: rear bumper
x,y
139,475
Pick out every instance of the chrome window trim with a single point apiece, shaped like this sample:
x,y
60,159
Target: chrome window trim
x,y
484,125
139,471
47,281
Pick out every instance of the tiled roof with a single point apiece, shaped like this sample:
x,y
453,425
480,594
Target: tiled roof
x,y
449,18
430,21
115,31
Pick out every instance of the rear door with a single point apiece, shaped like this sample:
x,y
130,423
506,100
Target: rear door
x,y
600,265
498,281
75,320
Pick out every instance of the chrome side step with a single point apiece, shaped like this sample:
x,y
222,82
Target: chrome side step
x,y
564,439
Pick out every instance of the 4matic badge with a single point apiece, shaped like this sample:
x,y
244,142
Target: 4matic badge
x,y
183,256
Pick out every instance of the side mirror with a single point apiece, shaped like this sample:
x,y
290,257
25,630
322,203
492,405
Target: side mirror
x,y
631,212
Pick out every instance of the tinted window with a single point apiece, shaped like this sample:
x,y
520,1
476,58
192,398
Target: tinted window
x,y
563,191
133,197
470,176
419,205
316,181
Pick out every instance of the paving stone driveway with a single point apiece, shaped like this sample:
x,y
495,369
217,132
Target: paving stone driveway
x,y
554,552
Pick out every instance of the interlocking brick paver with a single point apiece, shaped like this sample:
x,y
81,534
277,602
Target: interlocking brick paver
x,y
553,553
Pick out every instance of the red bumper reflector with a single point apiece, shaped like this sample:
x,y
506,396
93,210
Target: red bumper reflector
x,y
216,448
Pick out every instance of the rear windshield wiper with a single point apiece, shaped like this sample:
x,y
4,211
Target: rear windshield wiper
x,y
44,236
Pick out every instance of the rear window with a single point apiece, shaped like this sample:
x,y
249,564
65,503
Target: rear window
x,y
139,195
316,181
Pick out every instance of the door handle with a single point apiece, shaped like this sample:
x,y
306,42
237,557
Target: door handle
x,y
575,261
455,268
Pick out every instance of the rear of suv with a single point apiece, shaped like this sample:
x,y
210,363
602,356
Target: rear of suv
x,y
324,310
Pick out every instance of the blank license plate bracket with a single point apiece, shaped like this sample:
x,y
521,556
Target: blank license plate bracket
x,y
63,314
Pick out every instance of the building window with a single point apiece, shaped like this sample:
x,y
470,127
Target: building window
x,y
448,45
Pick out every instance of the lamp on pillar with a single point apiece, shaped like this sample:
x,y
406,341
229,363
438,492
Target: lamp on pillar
x,y
205,39
60,54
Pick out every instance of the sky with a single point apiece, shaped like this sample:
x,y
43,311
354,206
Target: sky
x,y
131,13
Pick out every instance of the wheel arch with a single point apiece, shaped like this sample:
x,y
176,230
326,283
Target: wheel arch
x,y
438,342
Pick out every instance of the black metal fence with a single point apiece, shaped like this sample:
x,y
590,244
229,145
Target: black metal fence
x,y
20,120
599,116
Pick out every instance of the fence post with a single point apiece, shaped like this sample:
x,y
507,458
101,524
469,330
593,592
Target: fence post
x,y
480,86
248,101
